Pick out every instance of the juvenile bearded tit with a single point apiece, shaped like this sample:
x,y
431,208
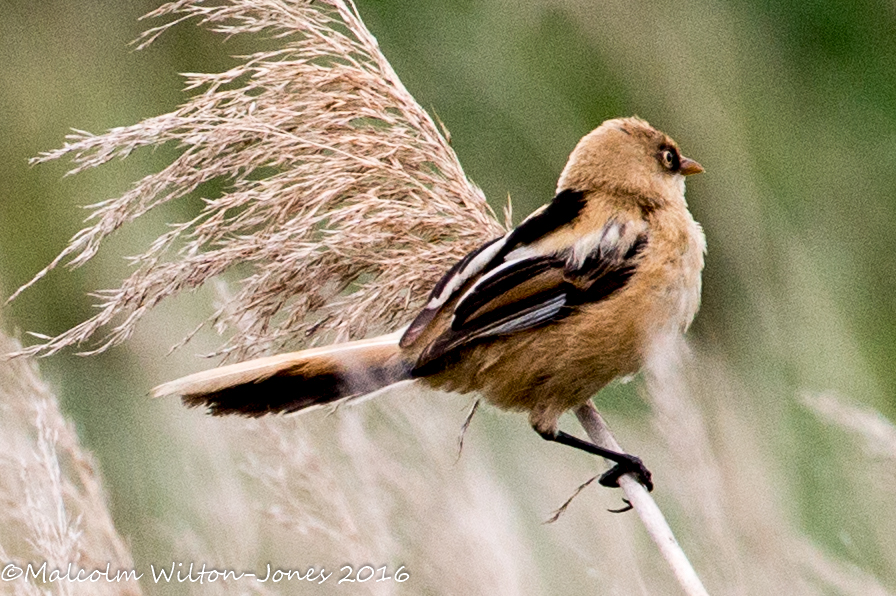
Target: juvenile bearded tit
x,y
538,320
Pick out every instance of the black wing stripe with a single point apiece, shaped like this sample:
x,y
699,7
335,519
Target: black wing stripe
x,y
519,308
563,209
458,268
603,276
527,318
441,293
533,312
497,283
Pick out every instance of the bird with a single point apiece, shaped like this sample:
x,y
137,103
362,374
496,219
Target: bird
x,y
538,320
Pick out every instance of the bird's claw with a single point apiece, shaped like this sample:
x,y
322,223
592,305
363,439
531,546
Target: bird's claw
x,y
630,465
628,507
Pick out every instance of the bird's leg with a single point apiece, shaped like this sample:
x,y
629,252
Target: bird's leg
x,y
625,463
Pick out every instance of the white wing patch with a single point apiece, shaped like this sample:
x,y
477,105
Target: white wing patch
x,y
609,239
610,242
472,268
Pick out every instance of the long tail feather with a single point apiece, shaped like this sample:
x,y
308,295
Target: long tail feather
x,y
292,382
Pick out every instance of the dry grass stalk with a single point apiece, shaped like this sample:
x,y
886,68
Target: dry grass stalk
x,y
386,491
54,507
337,180
878,433
738,499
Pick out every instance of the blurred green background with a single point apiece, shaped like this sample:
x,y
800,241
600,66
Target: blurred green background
x,y
790,106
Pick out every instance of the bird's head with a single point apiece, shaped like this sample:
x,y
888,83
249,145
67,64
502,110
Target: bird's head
x,y
628,156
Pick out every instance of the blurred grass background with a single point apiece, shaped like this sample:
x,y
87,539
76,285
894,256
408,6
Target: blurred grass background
x,y
790,107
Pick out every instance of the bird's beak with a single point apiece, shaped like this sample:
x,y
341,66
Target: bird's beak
x,y
689,166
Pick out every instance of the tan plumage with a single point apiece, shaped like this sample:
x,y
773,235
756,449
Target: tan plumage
x,y
538,320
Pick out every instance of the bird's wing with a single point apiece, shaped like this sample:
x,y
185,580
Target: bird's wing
x,y
529,291
561,211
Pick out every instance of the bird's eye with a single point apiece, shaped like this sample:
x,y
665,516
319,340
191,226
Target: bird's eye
x,y
670,160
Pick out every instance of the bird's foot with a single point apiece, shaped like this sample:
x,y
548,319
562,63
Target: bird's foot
x,y
627,464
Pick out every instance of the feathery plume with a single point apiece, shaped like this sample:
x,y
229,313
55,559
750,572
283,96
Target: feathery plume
x,y
343,203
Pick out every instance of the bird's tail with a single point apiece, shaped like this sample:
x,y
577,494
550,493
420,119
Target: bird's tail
x,y
293,382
